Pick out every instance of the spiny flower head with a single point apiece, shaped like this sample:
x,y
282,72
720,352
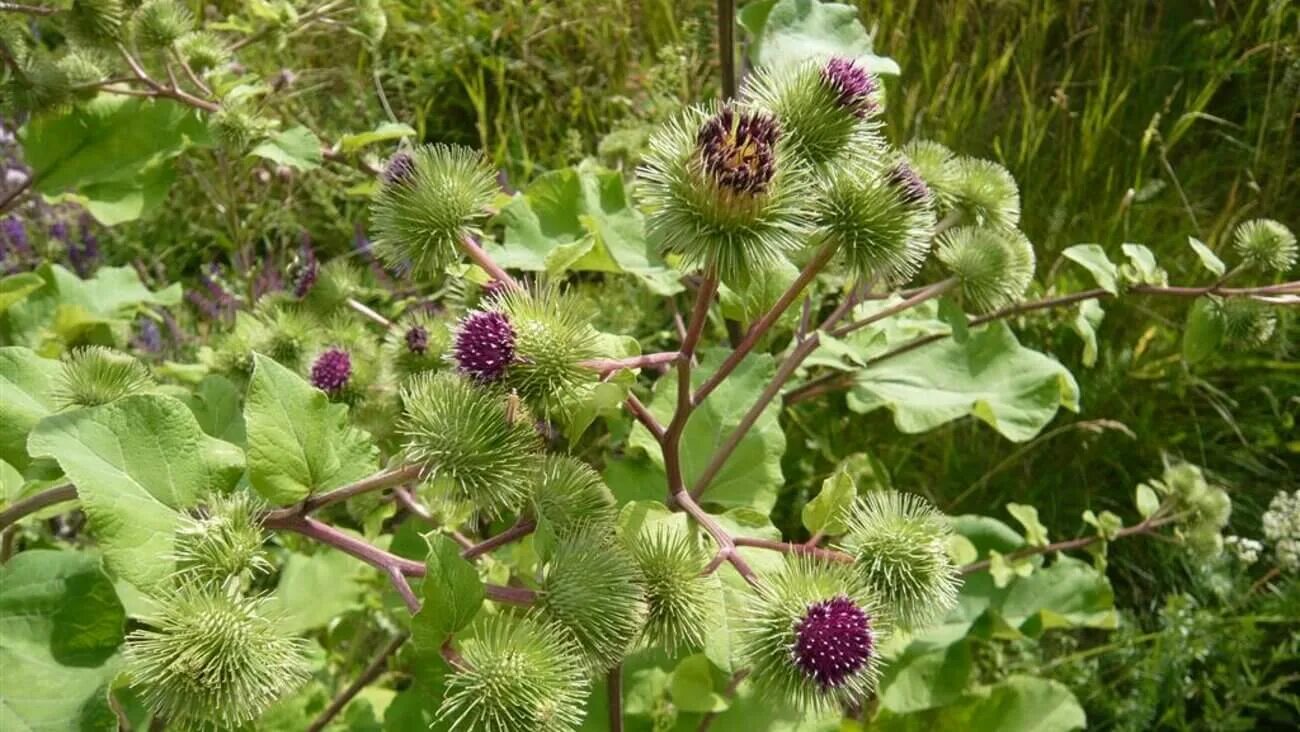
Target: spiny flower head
x,y
211,658
419,342
95,375
477,446
399,168
899,544
875,223
519,675
96,21
677,593
422,213
288,334
202,50
552,338
827,111
1281,524
803,637
909,184
1246,323
994,266
571,496
160,23
416,338
722,191
833,641
593,589
224,541
331,370
1266,244
484,345
985,193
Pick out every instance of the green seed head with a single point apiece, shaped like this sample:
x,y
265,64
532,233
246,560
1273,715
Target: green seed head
x,y
994,266
441,197
677,596
477,445
223,542
572,498
898,541
985,193
157,24
202,50
96,21
519,675
552,337
1246,323
417,344
935,164
1266,244
95,375
593,589
879,225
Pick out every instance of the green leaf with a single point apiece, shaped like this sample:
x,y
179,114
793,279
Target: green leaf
x,y
1204,331
1086,321
952,314
1068,594
215,403
691,686
785,32
119,201
1107,524
16,288
828,512
25,383
298,441
384,132
1146,500
297,147
1017,704
1035,532
314,590
60,627
68,305
136,463
1207,256
1004,570
1142,268
453,594
110,149
1094,259
1013,389
751,477
924,677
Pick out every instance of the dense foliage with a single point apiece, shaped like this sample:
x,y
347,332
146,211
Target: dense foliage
x,y
436,365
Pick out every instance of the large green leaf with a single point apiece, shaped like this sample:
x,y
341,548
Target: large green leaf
x,y
579,219
298,441
25,383
784,32
1017,704
1068,594
60,626
1093,258
136,463
924,677
453,594
1017,391
751,477
15,288
297,147
102,150
215,403
313,590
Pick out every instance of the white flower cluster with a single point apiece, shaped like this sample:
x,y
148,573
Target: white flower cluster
x,y
1282,529
1245,550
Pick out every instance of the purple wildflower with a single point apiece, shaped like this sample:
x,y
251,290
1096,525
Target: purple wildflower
x,y
148,337
833,641
737,150
417,340
304,270
485,345
13,234
399,169
331,370
84,256
909,184
59,230
855,88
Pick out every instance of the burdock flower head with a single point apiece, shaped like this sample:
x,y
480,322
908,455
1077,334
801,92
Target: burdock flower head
x,y
880,223
399,168
331,370
1266,244
95,375
723,192
828,110
417,343
811,635
994,266
416,339
484,346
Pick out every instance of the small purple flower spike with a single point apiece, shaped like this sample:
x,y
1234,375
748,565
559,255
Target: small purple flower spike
x,y
417,340
332,370
909,184
833,641
304,270
485,345
737,150
855,88
399,168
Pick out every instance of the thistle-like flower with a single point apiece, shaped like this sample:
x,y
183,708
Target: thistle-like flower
x,y
418,343
898,541
303,271
1266,244
1246,323
881,224
994,266
223,542
811,635
202,50
160,23
677,594
96,21
213,659
430,200
477,447
593,589
95,375
484,346
572,498
287,336
933,162
827,109
519,675
552,338
331,370
985,193
724,192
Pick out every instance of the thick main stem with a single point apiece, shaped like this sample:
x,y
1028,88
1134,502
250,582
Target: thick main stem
x,y
727,47
36,502
614,684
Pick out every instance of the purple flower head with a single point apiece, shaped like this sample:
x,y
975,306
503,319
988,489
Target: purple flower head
x,y
855,88
494,289
148,337
14,236
331,370
909,184
399,168
85,255
417,340
737,150
303,271
485,345
59,230
833,641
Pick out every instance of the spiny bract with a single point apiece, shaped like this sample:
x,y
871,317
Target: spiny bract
x,y
993,266
593,589
678,596
571,497
880,223
222,542
1266,244
95,375
552,337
